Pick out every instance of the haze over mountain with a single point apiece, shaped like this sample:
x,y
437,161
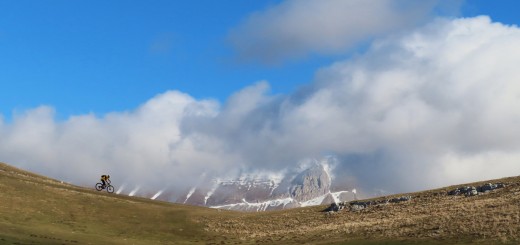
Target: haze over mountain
x,y
271,191
424,105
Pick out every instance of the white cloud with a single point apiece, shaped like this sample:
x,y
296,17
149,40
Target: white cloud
x,y
395,113
450,88
435,106
133,147
296,28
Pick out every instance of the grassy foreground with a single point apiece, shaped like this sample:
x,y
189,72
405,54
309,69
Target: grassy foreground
x,y
38,210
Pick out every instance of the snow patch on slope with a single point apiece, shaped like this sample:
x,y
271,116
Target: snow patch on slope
x,y
270,179
319,200
132,193
314,201
192,190
157,194
210,192
121,189
260,206
336,195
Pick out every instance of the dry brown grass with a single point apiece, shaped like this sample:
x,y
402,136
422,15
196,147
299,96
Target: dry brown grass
x,y
38,210
431,216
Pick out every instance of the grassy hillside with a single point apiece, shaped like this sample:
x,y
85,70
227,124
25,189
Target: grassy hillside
x,y
39,210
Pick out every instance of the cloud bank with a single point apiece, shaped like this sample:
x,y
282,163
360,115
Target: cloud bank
x,y
435,106
296,28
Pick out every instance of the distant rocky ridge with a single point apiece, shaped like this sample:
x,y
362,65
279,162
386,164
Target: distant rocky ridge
x,y
311,186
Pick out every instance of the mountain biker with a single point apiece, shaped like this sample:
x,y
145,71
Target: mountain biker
x,y
105,179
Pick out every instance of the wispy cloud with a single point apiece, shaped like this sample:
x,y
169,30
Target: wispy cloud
x,y
162,44
296,28
434,106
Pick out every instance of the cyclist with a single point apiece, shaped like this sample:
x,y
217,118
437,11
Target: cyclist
x,y
105,179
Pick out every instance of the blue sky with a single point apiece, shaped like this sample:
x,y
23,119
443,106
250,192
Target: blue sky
x,y
102,56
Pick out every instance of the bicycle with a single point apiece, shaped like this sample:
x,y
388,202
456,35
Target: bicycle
x,y
108,186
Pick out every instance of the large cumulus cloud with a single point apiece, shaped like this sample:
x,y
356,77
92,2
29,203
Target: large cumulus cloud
x,y
413,112
435,106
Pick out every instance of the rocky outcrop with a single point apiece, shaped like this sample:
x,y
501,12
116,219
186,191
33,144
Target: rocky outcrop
x,y
473,191
354,206
360,205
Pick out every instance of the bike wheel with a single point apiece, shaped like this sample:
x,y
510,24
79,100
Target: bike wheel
x,y
99,186
110,189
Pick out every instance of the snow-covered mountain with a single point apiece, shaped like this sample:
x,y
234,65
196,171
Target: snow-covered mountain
x,y
260,192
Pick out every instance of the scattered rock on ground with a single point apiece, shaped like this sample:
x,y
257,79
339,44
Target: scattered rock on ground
x,y
400,199
354,206
473,191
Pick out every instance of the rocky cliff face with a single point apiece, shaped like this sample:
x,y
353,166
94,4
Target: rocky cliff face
x,y
311,183
252,193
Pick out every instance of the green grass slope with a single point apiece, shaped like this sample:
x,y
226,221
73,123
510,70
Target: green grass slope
x,y
38,210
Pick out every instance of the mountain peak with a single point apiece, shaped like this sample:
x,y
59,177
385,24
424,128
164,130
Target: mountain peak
x,y
258,192
311,183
